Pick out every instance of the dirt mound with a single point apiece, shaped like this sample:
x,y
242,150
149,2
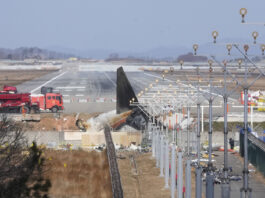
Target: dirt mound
x,y
64,122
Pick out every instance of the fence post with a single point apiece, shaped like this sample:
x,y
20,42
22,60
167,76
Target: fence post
x,y
173,170
180,174
158,149
202,128
251,117
162,156
167,165
153,141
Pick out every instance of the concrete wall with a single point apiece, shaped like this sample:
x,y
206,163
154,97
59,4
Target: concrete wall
x,y
80,139
120,138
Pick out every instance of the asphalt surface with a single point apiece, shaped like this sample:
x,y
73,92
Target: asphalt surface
x,y
86,90
257,186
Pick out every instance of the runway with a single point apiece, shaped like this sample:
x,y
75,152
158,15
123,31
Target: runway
x,y
84,89
88,88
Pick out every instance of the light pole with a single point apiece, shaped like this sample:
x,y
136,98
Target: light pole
x,y
243,12
246,190
239,63
195,48
229,47
225,184
215,35
262,47
198,167
255,35
210,171
181,62
188,167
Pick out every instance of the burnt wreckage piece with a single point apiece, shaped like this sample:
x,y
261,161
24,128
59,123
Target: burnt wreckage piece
x,y
125,93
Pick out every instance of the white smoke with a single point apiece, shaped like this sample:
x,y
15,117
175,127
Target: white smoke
x,y
97,123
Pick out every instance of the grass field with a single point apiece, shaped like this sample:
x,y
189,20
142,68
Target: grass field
x,y
16,77
77,174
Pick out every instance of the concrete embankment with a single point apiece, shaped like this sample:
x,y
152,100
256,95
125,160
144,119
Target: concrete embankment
x,y
54,139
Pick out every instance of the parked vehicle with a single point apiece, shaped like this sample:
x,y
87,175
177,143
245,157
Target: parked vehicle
x,y
48,100
13,102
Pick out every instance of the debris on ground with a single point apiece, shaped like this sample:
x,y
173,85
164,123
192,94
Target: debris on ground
x,y
62,122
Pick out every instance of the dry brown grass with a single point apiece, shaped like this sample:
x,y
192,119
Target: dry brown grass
x,y
147,183
15,77
78,174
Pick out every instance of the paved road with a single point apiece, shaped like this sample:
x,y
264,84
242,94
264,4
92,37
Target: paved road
x,y
258,187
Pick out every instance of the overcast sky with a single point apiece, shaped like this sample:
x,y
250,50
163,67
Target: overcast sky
x,y
132,25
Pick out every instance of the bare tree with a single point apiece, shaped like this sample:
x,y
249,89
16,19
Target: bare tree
x,y
21,167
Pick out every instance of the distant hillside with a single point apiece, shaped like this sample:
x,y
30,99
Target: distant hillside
x,y
189,57
31,53
158,53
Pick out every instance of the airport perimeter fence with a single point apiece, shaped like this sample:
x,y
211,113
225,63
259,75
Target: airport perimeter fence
x,y
256,151
117,191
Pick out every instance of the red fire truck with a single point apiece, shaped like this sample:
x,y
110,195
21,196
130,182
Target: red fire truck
x,y
13,102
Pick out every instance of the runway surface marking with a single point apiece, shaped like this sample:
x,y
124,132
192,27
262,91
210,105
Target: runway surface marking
x,y
48,82
70,87
186,85
107,76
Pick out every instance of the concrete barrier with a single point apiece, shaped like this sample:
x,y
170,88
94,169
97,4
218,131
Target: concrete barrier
x,y
66,100
100,100
82,100
120,138
82,139
73,135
